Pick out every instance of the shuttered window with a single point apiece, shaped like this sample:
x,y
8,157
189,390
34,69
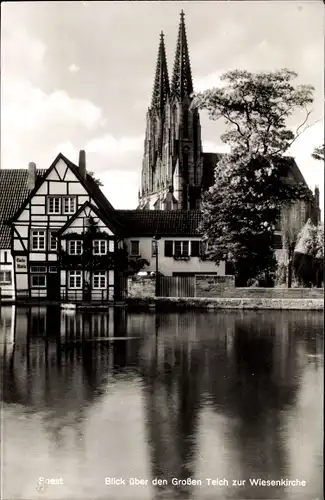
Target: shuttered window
x,y
195,248
168,248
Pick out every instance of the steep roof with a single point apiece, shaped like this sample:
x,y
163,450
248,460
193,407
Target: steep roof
x,y
159,222
291,171
111,222
13,192
88,183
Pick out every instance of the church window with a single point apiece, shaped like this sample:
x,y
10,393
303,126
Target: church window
x,y
185,122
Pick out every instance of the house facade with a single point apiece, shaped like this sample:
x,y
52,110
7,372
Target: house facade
x,y
15,185
57,234
174,235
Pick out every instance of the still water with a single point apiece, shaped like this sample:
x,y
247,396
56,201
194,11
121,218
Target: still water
x,y
96,398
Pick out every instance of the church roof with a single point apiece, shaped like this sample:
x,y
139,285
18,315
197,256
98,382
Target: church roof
x,y
291,171
159,222
14,190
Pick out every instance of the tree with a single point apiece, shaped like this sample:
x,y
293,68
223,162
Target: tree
x,y
309,254
241,210
318,153
98,181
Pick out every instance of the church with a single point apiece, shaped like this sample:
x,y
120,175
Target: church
x,y
175,170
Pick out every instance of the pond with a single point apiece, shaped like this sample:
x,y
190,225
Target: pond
x,y
203,405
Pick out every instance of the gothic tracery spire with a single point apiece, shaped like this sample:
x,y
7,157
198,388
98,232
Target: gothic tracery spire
x,y
182,76
161,83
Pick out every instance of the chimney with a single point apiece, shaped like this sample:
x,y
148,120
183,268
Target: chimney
x,y
31,181
82,163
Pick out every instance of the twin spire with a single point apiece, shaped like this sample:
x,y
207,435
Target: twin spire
x,y
182,76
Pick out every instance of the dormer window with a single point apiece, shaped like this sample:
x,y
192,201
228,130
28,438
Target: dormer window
x,y
75,247
100,247
54,205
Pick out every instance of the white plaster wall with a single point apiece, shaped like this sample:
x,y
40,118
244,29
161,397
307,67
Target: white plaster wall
x,y
7,290
168,265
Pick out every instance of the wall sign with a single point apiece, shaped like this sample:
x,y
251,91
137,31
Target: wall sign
x,y
21,263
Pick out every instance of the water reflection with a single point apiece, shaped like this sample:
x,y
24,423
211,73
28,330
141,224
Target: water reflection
x,y
231,395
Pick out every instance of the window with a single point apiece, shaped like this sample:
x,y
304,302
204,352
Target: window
x,y
69,205
53,243
38,269
38,240
54,205
99,280
195,248
75,247
53,269
135,250
75,279
100,247
38,280
5,277
169,248
181,248
154,244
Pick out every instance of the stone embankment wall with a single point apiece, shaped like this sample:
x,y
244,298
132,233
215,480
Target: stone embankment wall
x,y
141,286
212,287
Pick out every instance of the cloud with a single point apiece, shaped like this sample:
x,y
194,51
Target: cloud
x,y
121,188
209,81
213,147
29,114
73,68
113,147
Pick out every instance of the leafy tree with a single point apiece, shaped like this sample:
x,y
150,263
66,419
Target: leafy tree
x,y
242,208
98,181
309,254
318,153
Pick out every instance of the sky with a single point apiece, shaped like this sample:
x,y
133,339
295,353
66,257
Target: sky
x,y
79,75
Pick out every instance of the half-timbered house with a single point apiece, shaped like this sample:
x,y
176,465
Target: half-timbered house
x,y
15,185
64,194
90,246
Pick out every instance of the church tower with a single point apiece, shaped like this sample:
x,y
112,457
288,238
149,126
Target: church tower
x,y
172,164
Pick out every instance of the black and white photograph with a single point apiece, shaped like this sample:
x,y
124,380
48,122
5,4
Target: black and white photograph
x,y
162,250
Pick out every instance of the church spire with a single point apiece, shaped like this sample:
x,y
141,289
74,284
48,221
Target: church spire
x,y
182,77
161,84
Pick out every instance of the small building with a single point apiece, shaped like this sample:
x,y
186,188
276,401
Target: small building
x,y
180,250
